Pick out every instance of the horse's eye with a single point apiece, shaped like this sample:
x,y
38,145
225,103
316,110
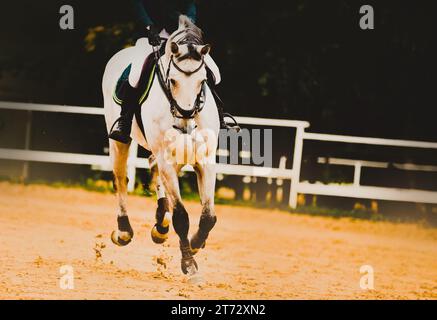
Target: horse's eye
x,y
173,82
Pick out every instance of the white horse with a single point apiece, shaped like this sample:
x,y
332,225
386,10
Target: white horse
x,y
178,98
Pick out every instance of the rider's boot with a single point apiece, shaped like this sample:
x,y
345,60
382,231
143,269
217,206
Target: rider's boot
x,y
122,127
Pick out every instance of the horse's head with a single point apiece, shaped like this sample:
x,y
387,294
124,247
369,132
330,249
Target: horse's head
x,y
186,71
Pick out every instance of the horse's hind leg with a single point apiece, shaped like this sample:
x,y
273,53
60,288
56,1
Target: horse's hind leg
x,y
163,217
206,176
119,154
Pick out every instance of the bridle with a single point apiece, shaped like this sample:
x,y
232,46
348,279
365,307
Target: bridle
x,y
176,110
187,73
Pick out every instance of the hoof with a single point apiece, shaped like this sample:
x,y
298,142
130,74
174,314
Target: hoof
x,y
196,244
121,238
196,250
157,236
159,233
189,266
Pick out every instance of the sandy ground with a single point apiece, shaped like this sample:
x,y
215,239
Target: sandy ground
x,y
251,253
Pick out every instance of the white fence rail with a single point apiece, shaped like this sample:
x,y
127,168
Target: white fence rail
x,y
366,192
354,190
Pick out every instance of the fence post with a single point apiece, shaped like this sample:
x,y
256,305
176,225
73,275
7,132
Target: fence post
x,y
27,141
131,169
297,160
357,173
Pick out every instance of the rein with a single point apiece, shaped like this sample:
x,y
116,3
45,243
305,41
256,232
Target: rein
x,y
176,110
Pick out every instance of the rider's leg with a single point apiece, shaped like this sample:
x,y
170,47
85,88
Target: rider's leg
x,y
122,128
214,78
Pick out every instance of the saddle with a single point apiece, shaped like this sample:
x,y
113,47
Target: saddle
x,y
144,84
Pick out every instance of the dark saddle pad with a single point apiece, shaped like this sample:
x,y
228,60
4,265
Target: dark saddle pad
x,y
144,84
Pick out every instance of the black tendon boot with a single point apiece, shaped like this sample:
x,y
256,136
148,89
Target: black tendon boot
x,y
121,129
219,103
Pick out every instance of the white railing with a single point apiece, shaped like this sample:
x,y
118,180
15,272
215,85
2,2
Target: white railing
x,y
354,190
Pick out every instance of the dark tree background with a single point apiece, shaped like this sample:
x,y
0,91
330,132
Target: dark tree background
x,y
301,59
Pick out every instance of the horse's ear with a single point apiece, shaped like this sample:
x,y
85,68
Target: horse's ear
x,y
205,49
174,48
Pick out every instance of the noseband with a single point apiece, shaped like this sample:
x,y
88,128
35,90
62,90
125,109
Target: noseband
x,y
187,73
176,110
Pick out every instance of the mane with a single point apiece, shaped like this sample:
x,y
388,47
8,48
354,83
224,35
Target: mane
x,y
187,33
193,33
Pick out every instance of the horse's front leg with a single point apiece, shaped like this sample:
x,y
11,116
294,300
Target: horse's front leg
x,y
163,217
119,153
181,222
206,177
